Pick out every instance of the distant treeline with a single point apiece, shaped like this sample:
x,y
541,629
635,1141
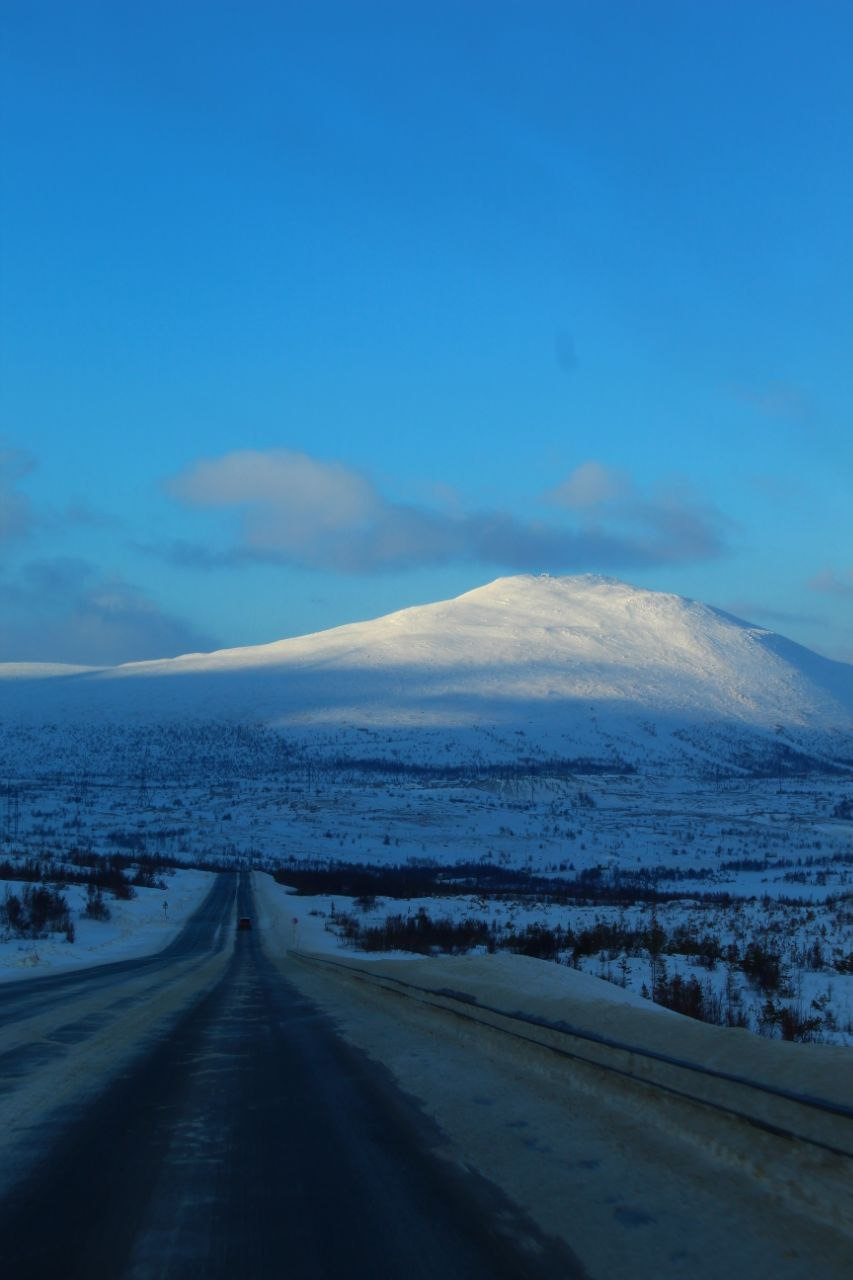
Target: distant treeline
x,y
833,859
429,880
225,754
509,771
104,873
111,871
782,761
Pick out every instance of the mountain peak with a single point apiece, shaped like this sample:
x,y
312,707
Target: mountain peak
x,y
584,663
561,589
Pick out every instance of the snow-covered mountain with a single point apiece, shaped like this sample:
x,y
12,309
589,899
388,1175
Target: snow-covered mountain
x,y
571,666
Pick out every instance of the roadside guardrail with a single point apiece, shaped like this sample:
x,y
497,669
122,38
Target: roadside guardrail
x,y
821,1128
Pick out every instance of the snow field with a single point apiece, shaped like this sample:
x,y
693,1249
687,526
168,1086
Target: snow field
x,y
781,854
302,924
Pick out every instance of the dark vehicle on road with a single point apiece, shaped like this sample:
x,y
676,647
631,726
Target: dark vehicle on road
x,y
244,922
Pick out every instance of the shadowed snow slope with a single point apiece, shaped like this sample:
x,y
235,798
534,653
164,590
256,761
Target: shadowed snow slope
x,y
582,665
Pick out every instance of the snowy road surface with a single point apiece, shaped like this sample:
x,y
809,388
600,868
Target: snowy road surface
x,y
193,1114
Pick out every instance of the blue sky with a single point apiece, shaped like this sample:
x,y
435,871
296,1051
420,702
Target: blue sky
x,y
310,312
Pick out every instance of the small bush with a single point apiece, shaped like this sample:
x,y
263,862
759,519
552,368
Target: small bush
x,y
422,934
539,941
762,967
36,912
791,1021
685,996
95,908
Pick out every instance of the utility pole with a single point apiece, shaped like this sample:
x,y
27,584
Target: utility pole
x,y
13,811
143,795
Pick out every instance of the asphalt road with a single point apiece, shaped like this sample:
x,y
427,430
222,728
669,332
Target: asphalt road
x,y
238,1136
203,933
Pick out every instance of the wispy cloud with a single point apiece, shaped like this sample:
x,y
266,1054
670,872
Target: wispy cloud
x,y
66,610
670,526
17,518
830,583
778,400
299,510
83,513
590,486
780,489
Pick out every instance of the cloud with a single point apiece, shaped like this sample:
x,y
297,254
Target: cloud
x,y
323,515
670,526
778,488
287,497
65,610
17,518
83,513
833,584
778,400
589,485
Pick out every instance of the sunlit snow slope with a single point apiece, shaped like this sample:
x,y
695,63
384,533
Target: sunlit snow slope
x,y
581,665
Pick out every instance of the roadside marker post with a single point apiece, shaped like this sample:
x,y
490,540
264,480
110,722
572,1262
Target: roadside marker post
x,y
296,933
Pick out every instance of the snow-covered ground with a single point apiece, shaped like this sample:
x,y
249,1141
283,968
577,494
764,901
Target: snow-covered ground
x,y
793,835
746,862
136,927
302,924
559,727
318,924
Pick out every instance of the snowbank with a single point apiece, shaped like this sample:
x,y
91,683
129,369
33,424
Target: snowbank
x,y
562,997
541,982
136,927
